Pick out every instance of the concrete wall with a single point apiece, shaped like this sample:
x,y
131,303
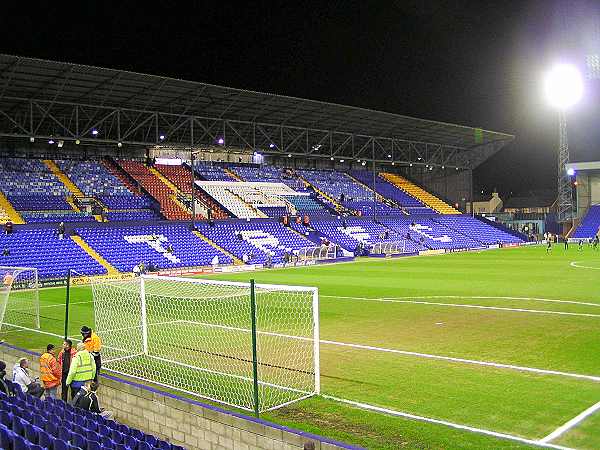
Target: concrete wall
x,y
185,422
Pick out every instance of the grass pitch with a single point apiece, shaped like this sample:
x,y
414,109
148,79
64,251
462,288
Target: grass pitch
x,y
465,338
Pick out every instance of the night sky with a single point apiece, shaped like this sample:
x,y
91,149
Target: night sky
x,y
476,63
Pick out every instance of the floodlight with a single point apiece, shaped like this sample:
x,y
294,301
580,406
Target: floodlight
x,y
60,144
410,164
51,141
389,156
570,172
563,86
331,158
119,144
289,155
31,139
220,141
77,141
95,132
162,137
271,145
342,160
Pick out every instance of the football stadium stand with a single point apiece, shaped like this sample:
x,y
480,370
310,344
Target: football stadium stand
x,y
28,423
42,248
420,194
164,246
340,208
589,225
151,181
256,239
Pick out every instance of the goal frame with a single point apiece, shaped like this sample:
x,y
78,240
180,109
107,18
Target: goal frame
x,y
17,270
315,338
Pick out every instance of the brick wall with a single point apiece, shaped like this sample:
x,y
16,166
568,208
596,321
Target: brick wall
x,y
185,422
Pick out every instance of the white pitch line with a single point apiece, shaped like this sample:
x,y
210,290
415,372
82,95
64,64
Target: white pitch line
x,y
460,305
576,264
467,361
57,305
408,353
405,415
487,297
571,423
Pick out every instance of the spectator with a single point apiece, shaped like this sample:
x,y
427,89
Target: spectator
x,y
245,258
87,399
61,230
215,261
50,371
136,270
93,344
64,363
6,252
3,386
22,377
269,261
83,368
8,227
170,248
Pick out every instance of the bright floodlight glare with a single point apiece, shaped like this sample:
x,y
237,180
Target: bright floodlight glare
x,y
563,86
570,172
95,132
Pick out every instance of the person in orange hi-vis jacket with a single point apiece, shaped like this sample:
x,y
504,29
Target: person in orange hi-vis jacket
x,y
93,344
50,371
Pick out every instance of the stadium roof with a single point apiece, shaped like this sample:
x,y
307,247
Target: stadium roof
x,y
35,79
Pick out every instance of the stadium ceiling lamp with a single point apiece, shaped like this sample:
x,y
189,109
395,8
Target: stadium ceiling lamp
x,y
563,86
289,155
51,141
571,172
271,145
77,141
220,141
419,158
31,139
331,158
95,132
162,137
60,144
389,156
410,165
443,167
342,160
393,163
364,163
119,144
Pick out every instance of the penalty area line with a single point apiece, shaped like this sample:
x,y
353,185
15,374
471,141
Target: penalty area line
x,y
395,413
461,305
571,423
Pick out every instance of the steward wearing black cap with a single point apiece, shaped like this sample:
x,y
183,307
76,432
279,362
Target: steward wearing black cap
x,y
93,344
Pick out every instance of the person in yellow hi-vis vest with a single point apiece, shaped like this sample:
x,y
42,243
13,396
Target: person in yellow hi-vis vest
x,y
83,368
93,344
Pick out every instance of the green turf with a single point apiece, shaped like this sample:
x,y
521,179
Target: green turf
x,y
518,403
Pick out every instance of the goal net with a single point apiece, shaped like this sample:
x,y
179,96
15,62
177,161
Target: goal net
x,y
19,298
196,336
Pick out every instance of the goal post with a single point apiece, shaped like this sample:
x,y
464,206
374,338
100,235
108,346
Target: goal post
x,y
196,336
19,297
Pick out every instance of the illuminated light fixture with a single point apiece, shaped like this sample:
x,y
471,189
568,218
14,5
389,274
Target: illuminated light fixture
x,y
563,86
575,183
389,156
571,172
119,144
289,155
358,160
271,145
31,139
94,132
419,158
410,164
457,168
162,137
364,163
443,167
393,163
342,160
431,168
60,144
220,141
77,141
331,158
51,142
